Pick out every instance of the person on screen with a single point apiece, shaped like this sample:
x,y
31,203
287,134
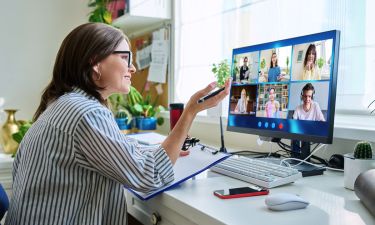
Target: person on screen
x,y
74,163
309,109
310,70
244,69
274,71
241,106
272,106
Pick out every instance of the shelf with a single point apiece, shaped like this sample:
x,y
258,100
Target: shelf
x,y
137,25
144,16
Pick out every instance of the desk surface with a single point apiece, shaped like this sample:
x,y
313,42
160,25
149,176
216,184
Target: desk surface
x,y
330,203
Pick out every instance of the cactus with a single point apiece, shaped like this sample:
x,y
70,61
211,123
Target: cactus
x,y
363,150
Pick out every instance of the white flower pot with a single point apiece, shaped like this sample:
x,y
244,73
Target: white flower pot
x,y
353,167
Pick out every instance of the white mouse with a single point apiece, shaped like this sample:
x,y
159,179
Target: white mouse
x,y
285,201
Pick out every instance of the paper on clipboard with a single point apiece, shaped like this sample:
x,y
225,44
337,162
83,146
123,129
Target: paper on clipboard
x,y
187,167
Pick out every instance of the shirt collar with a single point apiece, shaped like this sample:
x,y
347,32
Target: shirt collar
x,y
79,91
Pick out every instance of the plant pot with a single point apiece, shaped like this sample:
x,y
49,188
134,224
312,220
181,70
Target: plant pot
x,y
353,167
146,124
123,124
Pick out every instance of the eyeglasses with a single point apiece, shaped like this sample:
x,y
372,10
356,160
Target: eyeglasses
x,y
127,55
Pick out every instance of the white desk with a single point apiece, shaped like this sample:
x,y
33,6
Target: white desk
x,y
193,203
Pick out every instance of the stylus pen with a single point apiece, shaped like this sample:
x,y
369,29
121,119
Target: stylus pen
x,y
211,95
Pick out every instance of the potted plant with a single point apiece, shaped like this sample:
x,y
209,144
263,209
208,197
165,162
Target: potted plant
x,y
362,159
145,110
320,63
235,70
23,128
100,12
123,117
221,72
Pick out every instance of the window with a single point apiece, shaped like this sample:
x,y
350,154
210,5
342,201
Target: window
x,y
207,31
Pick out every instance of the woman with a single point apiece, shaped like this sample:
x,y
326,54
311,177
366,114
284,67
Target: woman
x,y
310,71
274,71
73,163
241,106
272,106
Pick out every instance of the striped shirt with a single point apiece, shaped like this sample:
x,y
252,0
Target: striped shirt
x,y
72,164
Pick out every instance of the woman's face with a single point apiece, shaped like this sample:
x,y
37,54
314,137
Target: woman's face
x,y
274,58
311,57
114,72
243,93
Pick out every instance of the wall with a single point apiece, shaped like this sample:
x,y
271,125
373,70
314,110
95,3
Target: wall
x,y
31,34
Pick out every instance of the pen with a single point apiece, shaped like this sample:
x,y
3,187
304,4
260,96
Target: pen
x,y
212,94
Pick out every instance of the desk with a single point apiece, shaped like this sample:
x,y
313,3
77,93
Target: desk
x,y
193,203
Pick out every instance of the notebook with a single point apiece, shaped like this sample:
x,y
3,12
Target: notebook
x,y
187,167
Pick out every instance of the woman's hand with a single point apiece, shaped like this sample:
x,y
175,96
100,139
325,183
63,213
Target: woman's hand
x,y
196,107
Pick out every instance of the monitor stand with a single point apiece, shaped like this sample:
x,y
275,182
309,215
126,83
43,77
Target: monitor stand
x,y
301,150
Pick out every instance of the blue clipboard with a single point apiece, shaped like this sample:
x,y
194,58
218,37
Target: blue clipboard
x,y
187,167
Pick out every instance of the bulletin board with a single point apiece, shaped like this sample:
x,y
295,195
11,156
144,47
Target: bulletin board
x,y
139,79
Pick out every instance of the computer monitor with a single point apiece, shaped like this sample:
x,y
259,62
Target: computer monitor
x,y
286,88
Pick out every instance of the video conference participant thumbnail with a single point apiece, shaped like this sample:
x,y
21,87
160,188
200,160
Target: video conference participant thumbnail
x,y
312,61
242,100
309,109
272,101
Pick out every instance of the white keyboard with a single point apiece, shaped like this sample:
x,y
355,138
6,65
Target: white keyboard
x,y
257,171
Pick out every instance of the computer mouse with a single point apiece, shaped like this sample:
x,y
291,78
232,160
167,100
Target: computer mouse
x,y
285,201
336,161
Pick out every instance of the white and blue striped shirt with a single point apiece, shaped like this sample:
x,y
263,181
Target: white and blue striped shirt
x,y
73,162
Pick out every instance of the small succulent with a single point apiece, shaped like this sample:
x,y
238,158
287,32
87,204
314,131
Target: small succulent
x,y
363,150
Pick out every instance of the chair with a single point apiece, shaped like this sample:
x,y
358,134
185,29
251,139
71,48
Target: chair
x,y
4,202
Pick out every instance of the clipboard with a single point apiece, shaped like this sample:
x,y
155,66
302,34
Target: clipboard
x,y
187,167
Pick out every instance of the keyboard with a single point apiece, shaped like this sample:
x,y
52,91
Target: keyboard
x,y
257,171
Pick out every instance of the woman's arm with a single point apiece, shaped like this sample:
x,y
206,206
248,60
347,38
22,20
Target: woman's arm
x,y
176,138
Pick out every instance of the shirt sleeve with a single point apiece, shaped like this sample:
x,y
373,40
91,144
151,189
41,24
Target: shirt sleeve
x,y
101,146
319,114
295,114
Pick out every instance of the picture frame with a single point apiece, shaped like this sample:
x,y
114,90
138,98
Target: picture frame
x,y
299,56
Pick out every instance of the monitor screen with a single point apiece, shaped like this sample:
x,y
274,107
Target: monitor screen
x,y
286,88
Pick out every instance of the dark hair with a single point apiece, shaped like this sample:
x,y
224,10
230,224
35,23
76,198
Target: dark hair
x,y
271,61
269,89
245,58
312,49
83,48
308,87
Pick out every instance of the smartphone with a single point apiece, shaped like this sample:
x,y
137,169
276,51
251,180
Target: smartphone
x,y
241,192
